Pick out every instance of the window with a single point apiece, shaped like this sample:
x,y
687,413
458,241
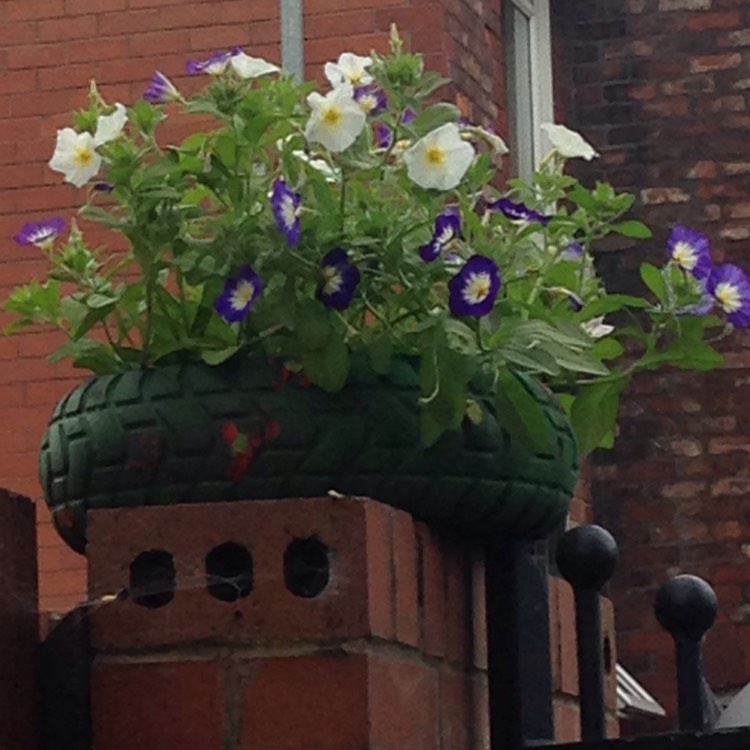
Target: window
x,y
530,99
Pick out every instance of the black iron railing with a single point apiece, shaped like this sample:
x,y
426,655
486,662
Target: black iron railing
x,y
519,673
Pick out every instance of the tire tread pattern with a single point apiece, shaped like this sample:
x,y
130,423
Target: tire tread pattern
x,y
148,437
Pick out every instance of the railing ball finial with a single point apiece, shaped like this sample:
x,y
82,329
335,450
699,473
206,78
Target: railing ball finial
x,y
686,607
587,556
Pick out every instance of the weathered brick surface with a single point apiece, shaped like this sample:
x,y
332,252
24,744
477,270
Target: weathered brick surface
x,y
50,49
660,87
322,661
18,622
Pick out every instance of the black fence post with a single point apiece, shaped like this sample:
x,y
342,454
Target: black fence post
x,y
518,652
586,557
686,608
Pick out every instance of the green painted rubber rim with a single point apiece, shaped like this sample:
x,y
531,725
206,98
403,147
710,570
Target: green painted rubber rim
x,y
247,430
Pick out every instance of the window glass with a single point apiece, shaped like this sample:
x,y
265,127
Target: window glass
x,y
530,99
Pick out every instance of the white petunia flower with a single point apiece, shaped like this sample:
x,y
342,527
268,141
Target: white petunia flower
x,y
109,127
440,159
336,119
492,139
320,165
350,68
246,66
568,143
597,328
75,156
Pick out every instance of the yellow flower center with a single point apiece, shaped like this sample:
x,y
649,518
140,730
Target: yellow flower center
x,y
243,295
728,296
685,256
355,78
436,156
477,288
83,155
332,116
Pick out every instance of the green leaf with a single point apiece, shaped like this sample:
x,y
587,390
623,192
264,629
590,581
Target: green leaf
x,y
531,360
612,303
218,356
89,355
607,348
594,413
313,326
380,352
575,361
443,375
328,366
520,413
102,216
654,280
435,116
634,229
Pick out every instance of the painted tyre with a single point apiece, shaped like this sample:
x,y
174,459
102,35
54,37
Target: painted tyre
x,y
249,430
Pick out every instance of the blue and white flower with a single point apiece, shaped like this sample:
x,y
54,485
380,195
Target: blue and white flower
x,y
239,295
475,287
447,231
730,287
286,205
215,65
371,99
41,234
161,90
691,251
573,252
340,280
518,211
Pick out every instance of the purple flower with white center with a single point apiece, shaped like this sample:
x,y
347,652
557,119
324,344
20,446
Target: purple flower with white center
x,y
340,280
371,99
573,252
447,230
161,90
730,287
518,211
384,134
41,233
239,295
286,206
214,65
474,288
691,251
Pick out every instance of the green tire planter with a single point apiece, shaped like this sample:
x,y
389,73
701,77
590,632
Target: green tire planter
x,y
248,430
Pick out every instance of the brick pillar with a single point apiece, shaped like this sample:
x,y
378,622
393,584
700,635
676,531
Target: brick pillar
x,y
18,622
355,627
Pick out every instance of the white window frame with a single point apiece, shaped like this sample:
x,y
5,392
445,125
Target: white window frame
x,y
535,94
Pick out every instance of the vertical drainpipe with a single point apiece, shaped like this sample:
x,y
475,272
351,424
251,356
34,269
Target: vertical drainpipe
x,y
292,38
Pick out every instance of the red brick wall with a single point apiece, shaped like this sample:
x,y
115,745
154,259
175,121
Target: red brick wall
x,y
661,89
18,626
50,49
